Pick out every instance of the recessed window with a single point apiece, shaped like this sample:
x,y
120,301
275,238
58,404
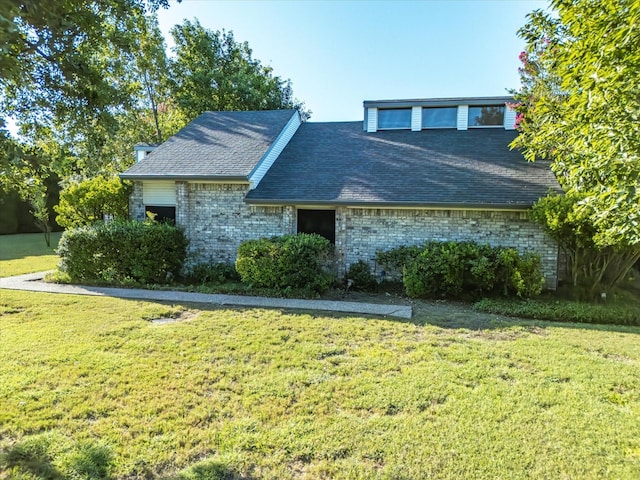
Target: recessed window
x,y
162,214
440,117
486,116
394,118
322,222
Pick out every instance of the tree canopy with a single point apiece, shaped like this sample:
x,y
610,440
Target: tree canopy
x,y
212,71
85,80
579,106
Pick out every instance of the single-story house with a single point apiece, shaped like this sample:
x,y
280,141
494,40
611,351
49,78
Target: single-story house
x,y
413,170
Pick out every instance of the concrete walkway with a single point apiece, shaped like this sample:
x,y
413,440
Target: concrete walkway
x,y
33,282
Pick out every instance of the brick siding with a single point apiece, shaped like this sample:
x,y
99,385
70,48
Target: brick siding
x,y
361,232
216,220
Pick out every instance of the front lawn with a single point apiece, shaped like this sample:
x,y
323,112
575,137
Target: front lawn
x,y
26,253
93,388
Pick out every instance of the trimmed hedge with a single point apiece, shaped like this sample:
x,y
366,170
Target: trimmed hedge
x,y
561,311
464,269
123,252
289,261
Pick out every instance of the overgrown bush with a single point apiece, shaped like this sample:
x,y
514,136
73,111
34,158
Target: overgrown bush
x,y
216,273
289,261
464,269
123,252
360,273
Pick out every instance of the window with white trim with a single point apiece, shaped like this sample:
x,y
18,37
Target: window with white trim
x,y
486,116
439,117
394,118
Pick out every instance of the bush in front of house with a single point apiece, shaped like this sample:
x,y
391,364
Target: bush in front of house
x,y
123,252
363,280
211,273
464,269
290,261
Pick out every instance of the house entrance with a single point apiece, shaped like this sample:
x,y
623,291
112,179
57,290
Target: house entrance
x,y
322,222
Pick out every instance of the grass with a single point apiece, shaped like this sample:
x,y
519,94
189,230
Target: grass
x,y
92,388
27,253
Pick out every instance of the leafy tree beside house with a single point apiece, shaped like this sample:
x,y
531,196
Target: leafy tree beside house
x,y
213,71
84,92
93,200
579,106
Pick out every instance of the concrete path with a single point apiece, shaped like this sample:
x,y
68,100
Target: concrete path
x,y
33,282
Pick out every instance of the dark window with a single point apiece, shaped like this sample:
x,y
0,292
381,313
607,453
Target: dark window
x,y
489,116
322,222
162,214
394,118
440,117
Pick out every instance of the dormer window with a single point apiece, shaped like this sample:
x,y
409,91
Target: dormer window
x,y
439,117
394,118
486,116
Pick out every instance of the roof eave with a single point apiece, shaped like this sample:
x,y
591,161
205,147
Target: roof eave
x,y
387,204
186,178
438,102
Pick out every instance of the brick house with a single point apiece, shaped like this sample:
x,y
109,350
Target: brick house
x,y
413,170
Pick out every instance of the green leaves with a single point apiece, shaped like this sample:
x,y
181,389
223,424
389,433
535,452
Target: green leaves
x,y
212,71
580,98
89,201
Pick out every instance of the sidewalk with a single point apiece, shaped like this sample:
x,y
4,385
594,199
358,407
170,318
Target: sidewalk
x,y
33,282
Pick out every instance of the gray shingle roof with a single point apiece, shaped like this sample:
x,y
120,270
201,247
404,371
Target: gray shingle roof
x,y
216,145
339,163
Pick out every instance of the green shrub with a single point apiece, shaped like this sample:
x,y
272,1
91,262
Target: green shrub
x,y
395,260
123,252
449,269
520,273
89,201
363,279
290,261
561,310
216,273
464,269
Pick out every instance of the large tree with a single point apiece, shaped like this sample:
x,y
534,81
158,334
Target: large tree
x,y
212,71
579,106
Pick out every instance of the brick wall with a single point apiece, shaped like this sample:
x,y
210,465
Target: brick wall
x,y
217,220
136,205
361,232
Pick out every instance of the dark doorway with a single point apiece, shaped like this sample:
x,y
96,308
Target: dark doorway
x,y
322,222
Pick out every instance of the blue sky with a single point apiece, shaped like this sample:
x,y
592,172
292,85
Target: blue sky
x,y
339,53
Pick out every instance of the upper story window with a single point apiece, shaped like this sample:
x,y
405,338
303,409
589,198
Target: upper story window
x,y
394,118
486,116
439,117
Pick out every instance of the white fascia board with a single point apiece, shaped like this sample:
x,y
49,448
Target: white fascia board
x,y
372,119
509,117
463,117
274,151
416,119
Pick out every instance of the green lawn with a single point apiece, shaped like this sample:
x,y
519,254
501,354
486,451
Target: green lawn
x,y
91,388
26,253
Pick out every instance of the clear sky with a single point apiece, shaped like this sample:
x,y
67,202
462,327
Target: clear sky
x,y
339,53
